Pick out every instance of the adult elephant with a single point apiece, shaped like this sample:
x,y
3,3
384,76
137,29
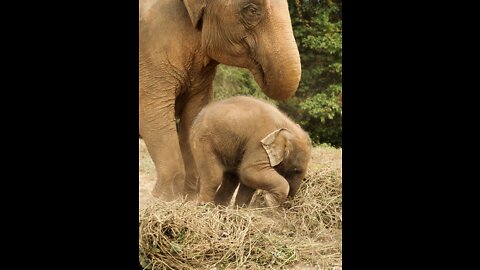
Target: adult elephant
x,y
181,44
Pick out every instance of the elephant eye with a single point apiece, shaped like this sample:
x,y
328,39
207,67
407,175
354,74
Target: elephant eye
x,y
297,171
252,14
250,8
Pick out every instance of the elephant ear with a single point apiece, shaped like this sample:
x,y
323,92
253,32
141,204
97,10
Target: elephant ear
x,y
195,10
276,146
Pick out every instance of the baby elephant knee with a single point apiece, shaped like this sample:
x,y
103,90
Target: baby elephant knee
x,y
278,195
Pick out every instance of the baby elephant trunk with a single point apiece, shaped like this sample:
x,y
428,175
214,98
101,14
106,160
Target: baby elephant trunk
x,y
294,186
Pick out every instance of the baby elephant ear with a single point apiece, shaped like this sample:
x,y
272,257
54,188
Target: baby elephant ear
x,y
275,147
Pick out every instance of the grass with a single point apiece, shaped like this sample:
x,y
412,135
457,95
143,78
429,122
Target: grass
x,y
306,233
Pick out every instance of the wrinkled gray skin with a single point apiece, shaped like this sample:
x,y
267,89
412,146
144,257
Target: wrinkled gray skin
x,y
181,44
247,141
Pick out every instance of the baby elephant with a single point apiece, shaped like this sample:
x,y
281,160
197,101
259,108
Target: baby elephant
x,y
247,141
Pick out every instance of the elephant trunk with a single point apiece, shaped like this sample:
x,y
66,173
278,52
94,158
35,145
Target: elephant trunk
x,y
282,77
294,186
278,68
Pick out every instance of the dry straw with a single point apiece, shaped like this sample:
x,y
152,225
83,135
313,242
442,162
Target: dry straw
x,y
302,234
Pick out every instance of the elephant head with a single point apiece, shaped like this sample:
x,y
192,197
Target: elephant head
x,y
289,153
252,34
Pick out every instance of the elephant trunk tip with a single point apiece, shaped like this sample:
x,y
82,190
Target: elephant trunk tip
x,y
282,89
281,82
279,78
280,95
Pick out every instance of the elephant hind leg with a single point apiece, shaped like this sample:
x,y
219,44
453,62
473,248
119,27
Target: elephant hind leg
x,y
225,192
210,174
190,110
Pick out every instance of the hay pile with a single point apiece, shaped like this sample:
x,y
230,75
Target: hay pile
x,y
304,233
184,236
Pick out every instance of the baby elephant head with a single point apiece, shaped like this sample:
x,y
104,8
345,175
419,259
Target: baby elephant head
x,y
289,153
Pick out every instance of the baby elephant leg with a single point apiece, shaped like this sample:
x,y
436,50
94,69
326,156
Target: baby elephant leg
x,y
210,173
244,196
268,180
225,192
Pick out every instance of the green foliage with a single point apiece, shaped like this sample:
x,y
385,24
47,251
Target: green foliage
x,y
231,81
317,26
317,105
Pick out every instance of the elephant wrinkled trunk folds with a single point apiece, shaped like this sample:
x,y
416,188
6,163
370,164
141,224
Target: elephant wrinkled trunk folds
x,y
279,69
281,82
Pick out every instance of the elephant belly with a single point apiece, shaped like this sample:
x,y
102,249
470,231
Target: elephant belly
x,y
230,159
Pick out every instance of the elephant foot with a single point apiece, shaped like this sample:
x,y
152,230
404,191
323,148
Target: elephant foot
x,y
169,190
163,196
272,201
189,197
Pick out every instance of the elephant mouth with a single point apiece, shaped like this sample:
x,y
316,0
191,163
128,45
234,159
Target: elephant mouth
x,y
258,74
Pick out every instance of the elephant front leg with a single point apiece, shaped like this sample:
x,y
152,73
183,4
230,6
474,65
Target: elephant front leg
x,y
268,180
158,130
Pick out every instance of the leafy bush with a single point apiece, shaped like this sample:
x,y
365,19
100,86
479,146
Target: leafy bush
x,y
231,81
